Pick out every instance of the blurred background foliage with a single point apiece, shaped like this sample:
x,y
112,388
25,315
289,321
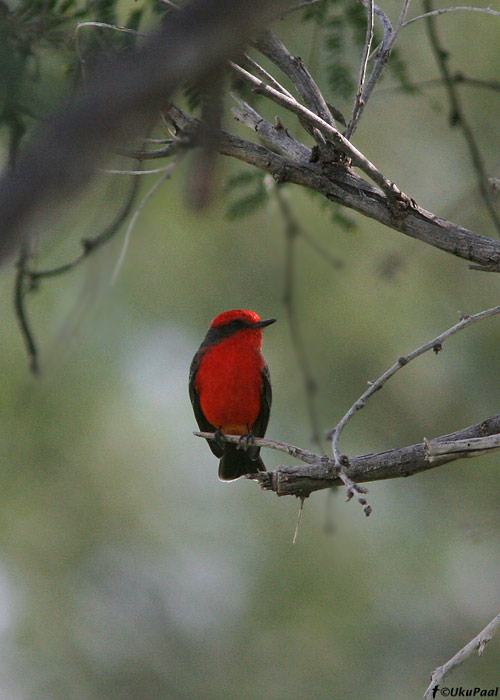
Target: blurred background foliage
x,y
127,570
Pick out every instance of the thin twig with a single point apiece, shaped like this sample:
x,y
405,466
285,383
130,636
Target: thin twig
x,y
477,644
149,139
458,79
100,25
172,5
27,278
434,344
386,25
442,11
292,450
299,520
383,52
151,171
142,154
134,217
325,254
301,6
457,115
105,25
90,245
20,290
358,100
292,229
270,80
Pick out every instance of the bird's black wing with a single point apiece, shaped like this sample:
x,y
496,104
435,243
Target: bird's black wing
x,y
266,397
260,425
203,424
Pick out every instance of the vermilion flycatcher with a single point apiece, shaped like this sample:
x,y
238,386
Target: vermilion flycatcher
x,y
230,389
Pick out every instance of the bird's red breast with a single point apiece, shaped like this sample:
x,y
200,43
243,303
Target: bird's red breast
x,y
229,381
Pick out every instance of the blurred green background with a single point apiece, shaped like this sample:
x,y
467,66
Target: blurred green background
x,y
127,570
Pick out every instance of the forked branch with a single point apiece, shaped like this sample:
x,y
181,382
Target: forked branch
x,y
342,185
318,471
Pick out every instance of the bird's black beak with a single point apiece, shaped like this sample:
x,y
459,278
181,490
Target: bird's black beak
x,y
263,324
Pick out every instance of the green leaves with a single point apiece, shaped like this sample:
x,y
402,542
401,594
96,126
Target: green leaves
x,y
192,95
250,194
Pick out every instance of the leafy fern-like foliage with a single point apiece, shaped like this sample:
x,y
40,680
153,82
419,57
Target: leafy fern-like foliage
x,y
249,194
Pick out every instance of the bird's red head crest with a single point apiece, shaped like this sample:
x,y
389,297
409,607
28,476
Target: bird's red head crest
x,y
249,317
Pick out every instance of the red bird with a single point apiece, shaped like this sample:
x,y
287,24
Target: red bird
x,y
230,389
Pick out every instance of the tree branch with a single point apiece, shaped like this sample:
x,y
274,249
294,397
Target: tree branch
x,y
270,80
435,344
457,115
382,55
90,245
358,100
342,185
292,229
293,66
22,285
302,6
477,644
274,136
461,448
394,195
303,480
456,78
442,11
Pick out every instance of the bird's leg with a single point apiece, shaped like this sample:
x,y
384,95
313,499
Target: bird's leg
x,y
246,440
219,438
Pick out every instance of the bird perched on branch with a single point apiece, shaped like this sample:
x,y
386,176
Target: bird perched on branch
x,y
230,389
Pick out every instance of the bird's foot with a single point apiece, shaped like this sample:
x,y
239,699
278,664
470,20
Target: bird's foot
x,y
219,438
245,441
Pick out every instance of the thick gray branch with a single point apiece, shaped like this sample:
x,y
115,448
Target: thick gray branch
x,y
342,185
304,479
274,136
320,471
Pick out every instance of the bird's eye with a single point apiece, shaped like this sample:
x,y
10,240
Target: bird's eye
x,y
236,325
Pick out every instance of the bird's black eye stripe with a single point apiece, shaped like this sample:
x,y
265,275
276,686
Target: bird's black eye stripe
x,y
233,326
215,335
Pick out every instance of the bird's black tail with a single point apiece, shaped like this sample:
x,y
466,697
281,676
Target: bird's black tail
x,y
235,462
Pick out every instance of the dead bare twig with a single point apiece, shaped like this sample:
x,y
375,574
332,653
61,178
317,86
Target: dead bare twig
x,y
436,344
457,115
477,644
